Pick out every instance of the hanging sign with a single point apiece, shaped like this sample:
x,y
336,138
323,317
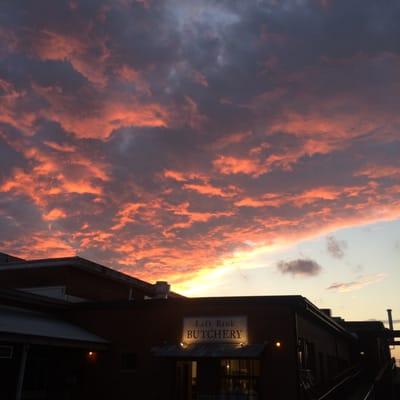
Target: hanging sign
x,y
215,330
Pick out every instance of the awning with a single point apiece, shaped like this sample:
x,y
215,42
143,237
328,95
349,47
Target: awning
x,y
210,351
21,325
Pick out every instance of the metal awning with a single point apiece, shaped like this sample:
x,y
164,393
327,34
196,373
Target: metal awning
x,y
27,326
217,350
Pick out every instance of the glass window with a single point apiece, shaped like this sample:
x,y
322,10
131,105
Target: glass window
x,y
240,379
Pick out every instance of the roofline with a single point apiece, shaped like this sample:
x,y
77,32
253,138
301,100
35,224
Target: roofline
x,y
285,300
297,302
31,300
8,258
80,263
313,309
54,342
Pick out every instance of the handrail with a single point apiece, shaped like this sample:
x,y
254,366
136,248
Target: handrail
x,y
378,377
370,391
339,385
383,370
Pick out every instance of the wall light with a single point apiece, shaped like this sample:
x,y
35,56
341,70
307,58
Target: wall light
x,y
278,344
91,356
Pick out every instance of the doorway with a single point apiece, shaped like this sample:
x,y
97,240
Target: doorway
x,y
240,379
186,380
218,379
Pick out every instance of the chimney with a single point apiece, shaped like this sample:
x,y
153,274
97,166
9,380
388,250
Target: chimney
x,y
161,289
327,312
390,319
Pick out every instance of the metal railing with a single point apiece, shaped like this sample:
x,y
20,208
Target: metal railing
x,y
333,391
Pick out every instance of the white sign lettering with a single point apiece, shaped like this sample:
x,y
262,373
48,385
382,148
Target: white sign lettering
x,y
214,330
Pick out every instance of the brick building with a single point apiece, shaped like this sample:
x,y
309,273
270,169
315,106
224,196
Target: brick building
x,y
73,329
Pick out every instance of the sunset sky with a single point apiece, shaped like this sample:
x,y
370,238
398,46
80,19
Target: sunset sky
x,y
230,147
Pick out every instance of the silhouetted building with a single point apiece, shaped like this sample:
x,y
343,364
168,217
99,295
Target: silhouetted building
x,y
73,329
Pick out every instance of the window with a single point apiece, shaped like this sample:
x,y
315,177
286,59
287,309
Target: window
x,y
240,378
6,352
306,354
128,362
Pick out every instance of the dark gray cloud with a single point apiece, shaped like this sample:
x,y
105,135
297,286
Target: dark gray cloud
x,y
299,267
336,248
162,136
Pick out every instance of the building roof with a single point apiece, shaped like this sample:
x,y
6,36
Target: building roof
x,y
15,264
365,326
76,262
7,258
18,324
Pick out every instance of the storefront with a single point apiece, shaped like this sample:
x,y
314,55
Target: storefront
x,y
214,360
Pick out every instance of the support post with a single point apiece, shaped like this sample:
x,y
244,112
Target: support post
x,y
21,374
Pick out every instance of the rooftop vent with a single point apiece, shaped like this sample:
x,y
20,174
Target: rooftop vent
x,y
161,289
327,312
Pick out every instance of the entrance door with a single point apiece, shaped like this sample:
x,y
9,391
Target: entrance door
x,y
240,379
186,380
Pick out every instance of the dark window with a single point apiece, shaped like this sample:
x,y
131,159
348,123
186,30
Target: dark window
x,y
240,379
310,351
306,354
6,351
128,362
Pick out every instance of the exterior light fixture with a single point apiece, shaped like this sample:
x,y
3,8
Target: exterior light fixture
x,y
278,344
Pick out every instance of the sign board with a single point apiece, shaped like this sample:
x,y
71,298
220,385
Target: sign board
x,y
215,330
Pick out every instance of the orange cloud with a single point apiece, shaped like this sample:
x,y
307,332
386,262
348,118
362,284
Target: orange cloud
x,y
9,112
316,194
126,214
50,174
64,148
49,45
378,171
123,111
183,176
54,214
210,190
263,201
231,165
